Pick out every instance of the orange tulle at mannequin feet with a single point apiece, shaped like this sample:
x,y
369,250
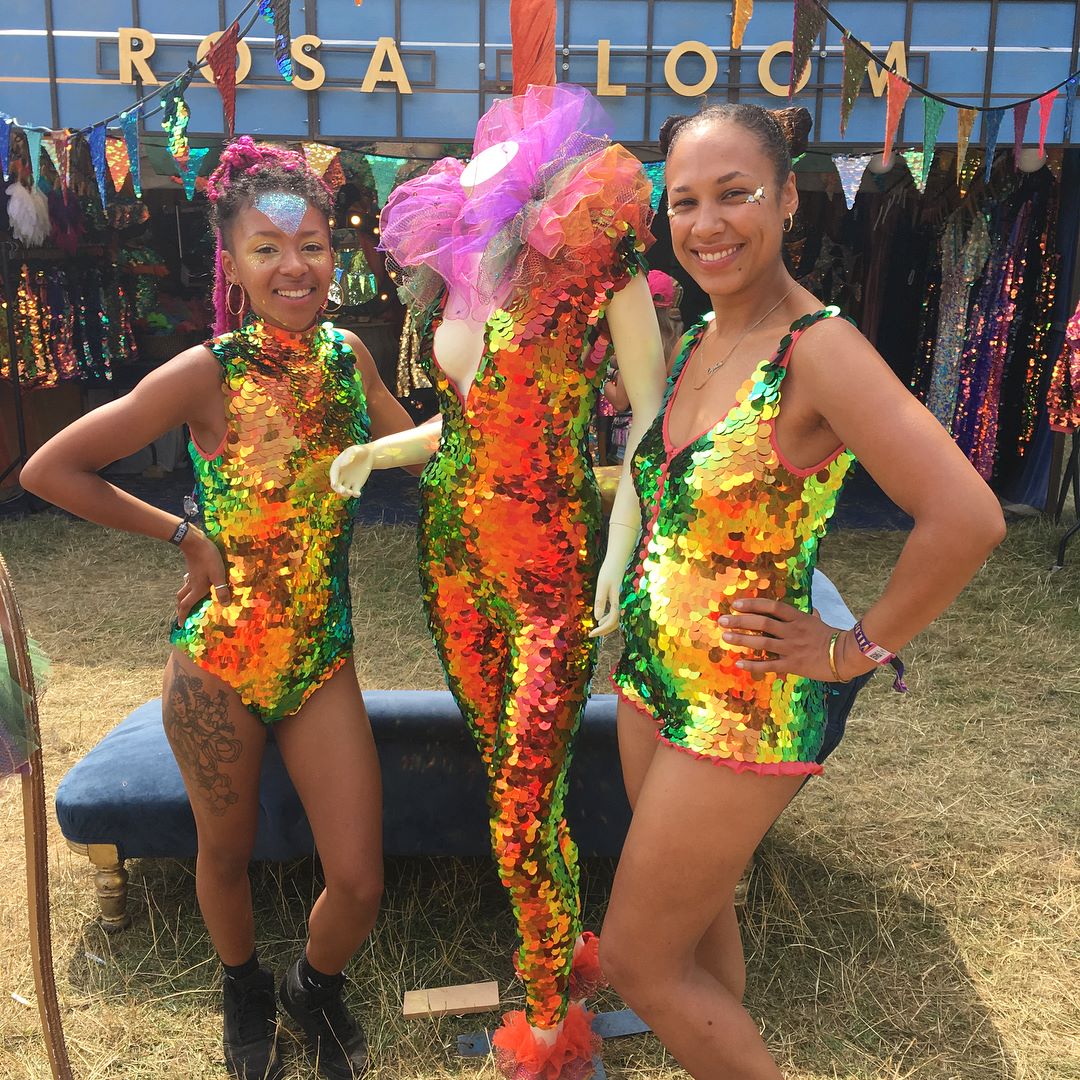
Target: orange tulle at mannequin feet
x,y
520,1055
586,975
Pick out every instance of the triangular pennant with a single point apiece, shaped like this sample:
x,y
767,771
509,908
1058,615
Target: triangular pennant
x,y
58,145
116,154
222,61
899,89
276,13
176,116
972,167
384,170
655,170
991,126
933,113
53,151
1070,101
851,168
1020,115
914,160
96,142
189,168
964,123
319,156
6,124
1046,106
33,146
808,20
740,17
335,173
856,61
129,124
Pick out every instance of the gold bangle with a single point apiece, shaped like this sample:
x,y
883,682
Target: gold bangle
x,y
832,656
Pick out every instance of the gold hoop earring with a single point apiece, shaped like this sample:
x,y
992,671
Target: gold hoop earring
x,y
237,312
790,223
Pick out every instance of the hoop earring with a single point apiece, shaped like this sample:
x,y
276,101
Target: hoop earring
x,y
228,299
790,223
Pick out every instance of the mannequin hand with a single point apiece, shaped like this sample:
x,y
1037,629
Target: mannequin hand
x,y
205,568
622,539
351,469
797,643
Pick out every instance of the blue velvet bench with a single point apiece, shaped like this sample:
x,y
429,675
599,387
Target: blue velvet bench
x,y
125,799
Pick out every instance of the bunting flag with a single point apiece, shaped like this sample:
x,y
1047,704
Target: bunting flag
x,y
899,89
933,113
1046,106
54,153
58,147
319,156
33,145
335,173
116,154
851,168
914,160
964,122
991,126
357,168
1070,101
856,61
384,170
96,141
189,168
6,124
808,21
129,125
222,61
1020,115
655,170
276,12
176,117
532,43
972,167
740,17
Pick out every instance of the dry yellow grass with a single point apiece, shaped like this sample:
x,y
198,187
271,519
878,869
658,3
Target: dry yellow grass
x,y
914,915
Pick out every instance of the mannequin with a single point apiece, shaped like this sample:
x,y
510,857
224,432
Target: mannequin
x,y
540,271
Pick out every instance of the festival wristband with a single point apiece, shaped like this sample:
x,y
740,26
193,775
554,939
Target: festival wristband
x,y
880,655
177,537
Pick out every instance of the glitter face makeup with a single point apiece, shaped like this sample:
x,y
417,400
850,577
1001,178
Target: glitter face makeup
x,y
284,209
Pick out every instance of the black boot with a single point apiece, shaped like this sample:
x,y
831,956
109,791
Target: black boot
x,y
251,1027
334,1038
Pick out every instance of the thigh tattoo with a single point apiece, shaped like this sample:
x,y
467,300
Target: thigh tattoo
x,y
202,738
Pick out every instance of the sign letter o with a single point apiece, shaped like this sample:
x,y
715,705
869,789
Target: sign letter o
x,y
671,64
764,69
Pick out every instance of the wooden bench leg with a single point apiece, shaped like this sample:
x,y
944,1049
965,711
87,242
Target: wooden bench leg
x,y
110,883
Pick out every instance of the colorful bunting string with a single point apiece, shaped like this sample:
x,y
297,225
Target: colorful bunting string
x,y
276,12
851,168
1070,101
914,162
96,142
1046,106
222,61
991,126
740,17
129,125
384,171
964,123
189,169
33,145
1020,115
116,153
5,144
176,118
898,94
855,64
809,19
319,156
655,170
933,114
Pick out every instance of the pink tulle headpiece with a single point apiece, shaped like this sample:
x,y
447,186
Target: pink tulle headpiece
x,y
441,236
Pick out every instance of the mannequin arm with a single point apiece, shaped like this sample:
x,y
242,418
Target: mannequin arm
x,y
413,446
636,336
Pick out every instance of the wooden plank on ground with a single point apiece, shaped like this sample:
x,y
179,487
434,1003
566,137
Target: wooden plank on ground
x,y
451,1000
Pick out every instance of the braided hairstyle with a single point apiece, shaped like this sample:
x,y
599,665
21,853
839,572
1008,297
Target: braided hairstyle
x,y
248,169
782,133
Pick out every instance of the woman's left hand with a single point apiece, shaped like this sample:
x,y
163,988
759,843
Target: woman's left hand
x,y
797,643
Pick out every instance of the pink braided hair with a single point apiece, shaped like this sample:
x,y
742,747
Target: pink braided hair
x,y
243,157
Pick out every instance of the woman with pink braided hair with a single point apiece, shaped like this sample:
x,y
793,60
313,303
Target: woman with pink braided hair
x,y
263,631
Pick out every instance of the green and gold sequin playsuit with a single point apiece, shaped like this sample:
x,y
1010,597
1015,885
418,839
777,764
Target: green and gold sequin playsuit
x,y
293,402
728,517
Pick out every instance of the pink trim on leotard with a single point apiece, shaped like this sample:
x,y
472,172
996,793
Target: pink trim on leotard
x,y
202,453
763,768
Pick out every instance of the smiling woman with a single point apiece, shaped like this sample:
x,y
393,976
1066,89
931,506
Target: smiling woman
x,y
263,633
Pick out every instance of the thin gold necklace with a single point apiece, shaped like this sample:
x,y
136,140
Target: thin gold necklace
x,y
727,356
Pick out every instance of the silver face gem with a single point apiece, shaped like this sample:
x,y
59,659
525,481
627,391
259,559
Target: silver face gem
x,y
284,209
757,196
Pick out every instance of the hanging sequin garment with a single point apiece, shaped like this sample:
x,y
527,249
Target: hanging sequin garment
x,y
728,518
1064,398
293,402
509,545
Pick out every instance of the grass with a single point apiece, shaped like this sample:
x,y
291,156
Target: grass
x,y
913,915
